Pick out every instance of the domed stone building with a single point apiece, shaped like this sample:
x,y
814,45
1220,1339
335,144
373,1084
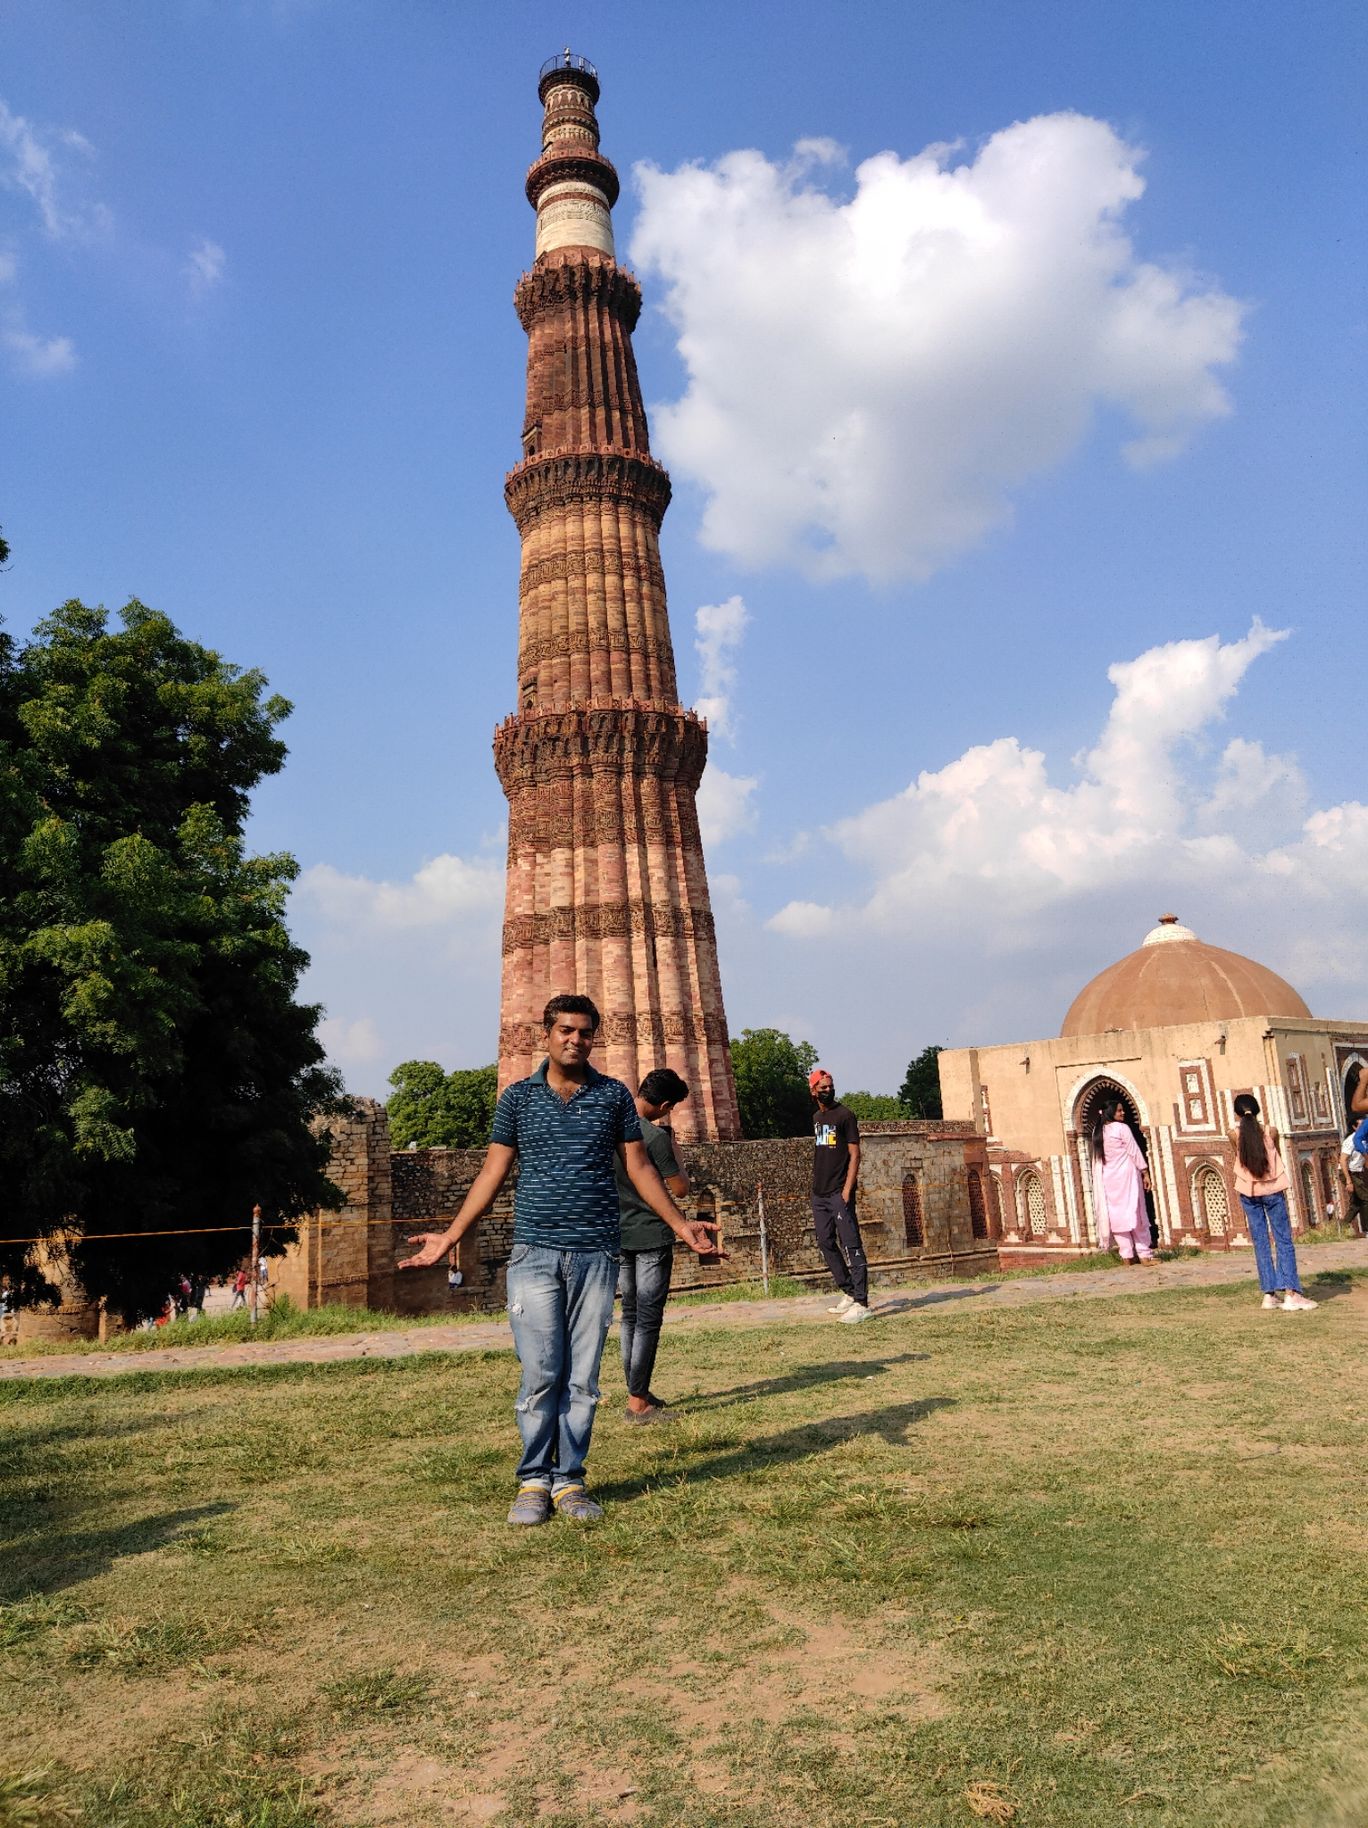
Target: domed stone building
x,y
1176,1030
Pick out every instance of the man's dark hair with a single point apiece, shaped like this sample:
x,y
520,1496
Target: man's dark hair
x,y
663,1086
570,1006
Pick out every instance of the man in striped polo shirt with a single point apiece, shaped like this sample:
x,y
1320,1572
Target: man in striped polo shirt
x,y
565,1126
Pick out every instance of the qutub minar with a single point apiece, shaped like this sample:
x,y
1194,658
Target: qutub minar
x,y
607,893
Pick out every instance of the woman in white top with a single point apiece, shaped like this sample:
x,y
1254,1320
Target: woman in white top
x,y
1261,1182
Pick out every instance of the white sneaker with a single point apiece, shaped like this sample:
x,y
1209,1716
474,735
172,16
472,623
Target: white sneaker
x,y
1293,1303
843,1306
856,1312
1272,1301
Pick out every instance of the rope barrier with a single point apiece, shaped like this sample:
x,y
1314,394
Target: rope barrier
x,y
201,1231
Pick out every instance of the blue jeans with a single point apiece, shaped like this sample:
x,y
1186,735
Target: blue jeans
x,y
560,1306
644,1285
1266,1213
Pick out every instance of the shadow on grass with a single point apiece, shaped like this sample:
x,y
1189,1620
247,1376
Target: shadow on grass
x,y
790,1448
55,1558
1330,1284
804,1377
903,1304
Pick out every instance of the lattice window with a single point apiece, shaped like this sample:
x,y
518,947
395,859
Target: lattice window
x,y
1308,1191
1212,1201
912,1213
1031,1196
978,1212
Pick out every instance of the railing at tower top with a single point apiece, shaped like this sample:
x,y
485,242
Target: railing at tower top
x,y
566,62
603,704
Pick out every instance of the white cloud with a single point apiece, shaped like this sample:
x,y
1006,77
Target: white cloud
x,y
29,165
351,1044
444,890
719,627
35,357
404,970
989,846
205,266
725,807
870,381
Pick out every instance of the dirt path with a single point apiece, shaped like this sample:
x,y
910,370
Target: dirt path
x,y
493,1335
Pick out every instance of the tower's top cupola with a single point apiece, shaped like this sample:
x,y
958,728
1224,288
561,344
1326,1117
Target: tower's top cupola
x,y
572,186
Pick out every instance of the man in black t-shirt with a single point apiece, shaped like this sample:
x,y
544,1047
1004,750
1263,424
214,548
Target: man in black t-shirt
x,y
835,1170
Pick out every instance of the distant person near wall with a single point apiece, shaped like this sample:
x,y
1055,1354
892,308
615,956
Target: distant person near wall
x,y
835,1175
9,1313
1120,1179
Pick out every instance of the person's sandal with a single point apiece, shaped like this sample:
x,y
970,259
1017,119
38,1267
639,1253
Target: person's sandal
x,y
532,1505
574,1502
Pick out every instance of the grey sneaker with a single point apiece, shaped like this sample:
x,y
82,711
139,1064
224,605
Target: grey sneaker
x,y
843,1306
532,1505
856,1312
574,1502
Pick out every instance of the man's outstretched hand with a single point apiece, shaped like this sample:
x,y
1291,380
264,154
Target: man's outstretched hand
x,y
435,1245
695,1235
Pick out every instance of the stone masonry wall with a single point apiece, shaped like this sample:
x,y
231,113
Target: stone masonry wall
x,y
348,1256
728,1181
916,1213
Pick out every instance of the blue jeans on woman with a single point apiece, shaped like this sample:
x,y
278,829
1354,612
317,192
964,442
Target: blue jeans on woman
x,y
644,1284
560,1306
1266,1213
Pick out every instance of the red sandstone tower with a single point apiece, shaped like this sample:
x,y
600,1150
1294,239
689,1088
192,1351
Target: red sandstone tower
x,y
607,893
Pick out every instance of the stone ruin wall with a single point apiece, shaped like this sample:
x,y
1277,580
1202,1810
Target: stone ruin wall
x,y
914,1184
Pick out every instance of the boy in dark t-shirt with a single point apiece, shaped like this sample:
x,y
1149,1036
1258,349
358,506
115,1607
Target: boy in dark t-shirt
x,y
648,1245
835,1171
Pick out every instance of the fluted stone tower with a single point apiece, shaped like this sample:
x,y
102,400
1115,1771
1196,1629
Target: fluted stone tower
x,y
607,893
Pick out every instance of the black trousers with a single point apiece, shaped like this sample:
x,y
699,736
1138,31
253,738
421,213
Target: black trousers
x,y
838,1239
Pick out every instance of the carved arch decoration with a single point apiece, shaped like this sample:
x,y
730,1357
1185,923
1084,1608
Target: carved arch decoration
x,y
1211,1199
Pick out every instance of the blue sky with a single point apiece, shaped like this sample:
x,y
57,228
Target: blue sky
x,y
954,435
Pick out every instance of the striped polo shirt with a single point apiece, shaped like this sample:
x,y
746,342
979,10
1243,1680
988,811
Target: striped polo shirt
x,y
567,1193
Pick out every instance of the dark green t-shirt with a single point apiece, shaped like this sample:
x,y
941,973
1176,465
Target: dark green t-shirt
x,y
641,1229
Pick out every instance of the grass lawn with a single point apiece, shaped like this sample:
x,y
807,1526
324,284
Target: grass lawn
x,y
1086,1562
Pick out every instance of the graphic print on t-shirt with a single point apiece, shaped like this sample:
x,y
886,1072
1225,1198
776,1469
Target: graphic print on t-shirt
x,y
833,1131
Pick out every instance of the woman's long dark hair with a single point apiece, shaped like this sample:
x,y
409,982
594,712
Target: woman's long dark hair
x,y
1106,1113
1253,1151
1351,1085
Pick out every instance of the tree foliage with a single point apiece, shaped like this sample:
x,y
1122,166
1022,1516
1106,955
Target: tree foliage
x,y
771,1083
920,1092
156,1071
874,1107
433,1109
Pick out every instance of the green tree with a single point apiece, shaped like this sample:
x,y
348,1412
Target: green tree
x,y
433,1109
920,1093
156,1072
771,1083
874,1107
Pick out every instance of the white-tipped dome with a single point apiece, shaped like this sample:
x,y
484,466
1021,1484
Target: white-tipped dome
x,y
1172,978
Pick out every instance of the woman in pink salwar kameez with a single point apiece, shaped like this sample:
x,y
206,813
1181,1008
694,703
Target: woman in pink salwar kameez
x,y
1120,1179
